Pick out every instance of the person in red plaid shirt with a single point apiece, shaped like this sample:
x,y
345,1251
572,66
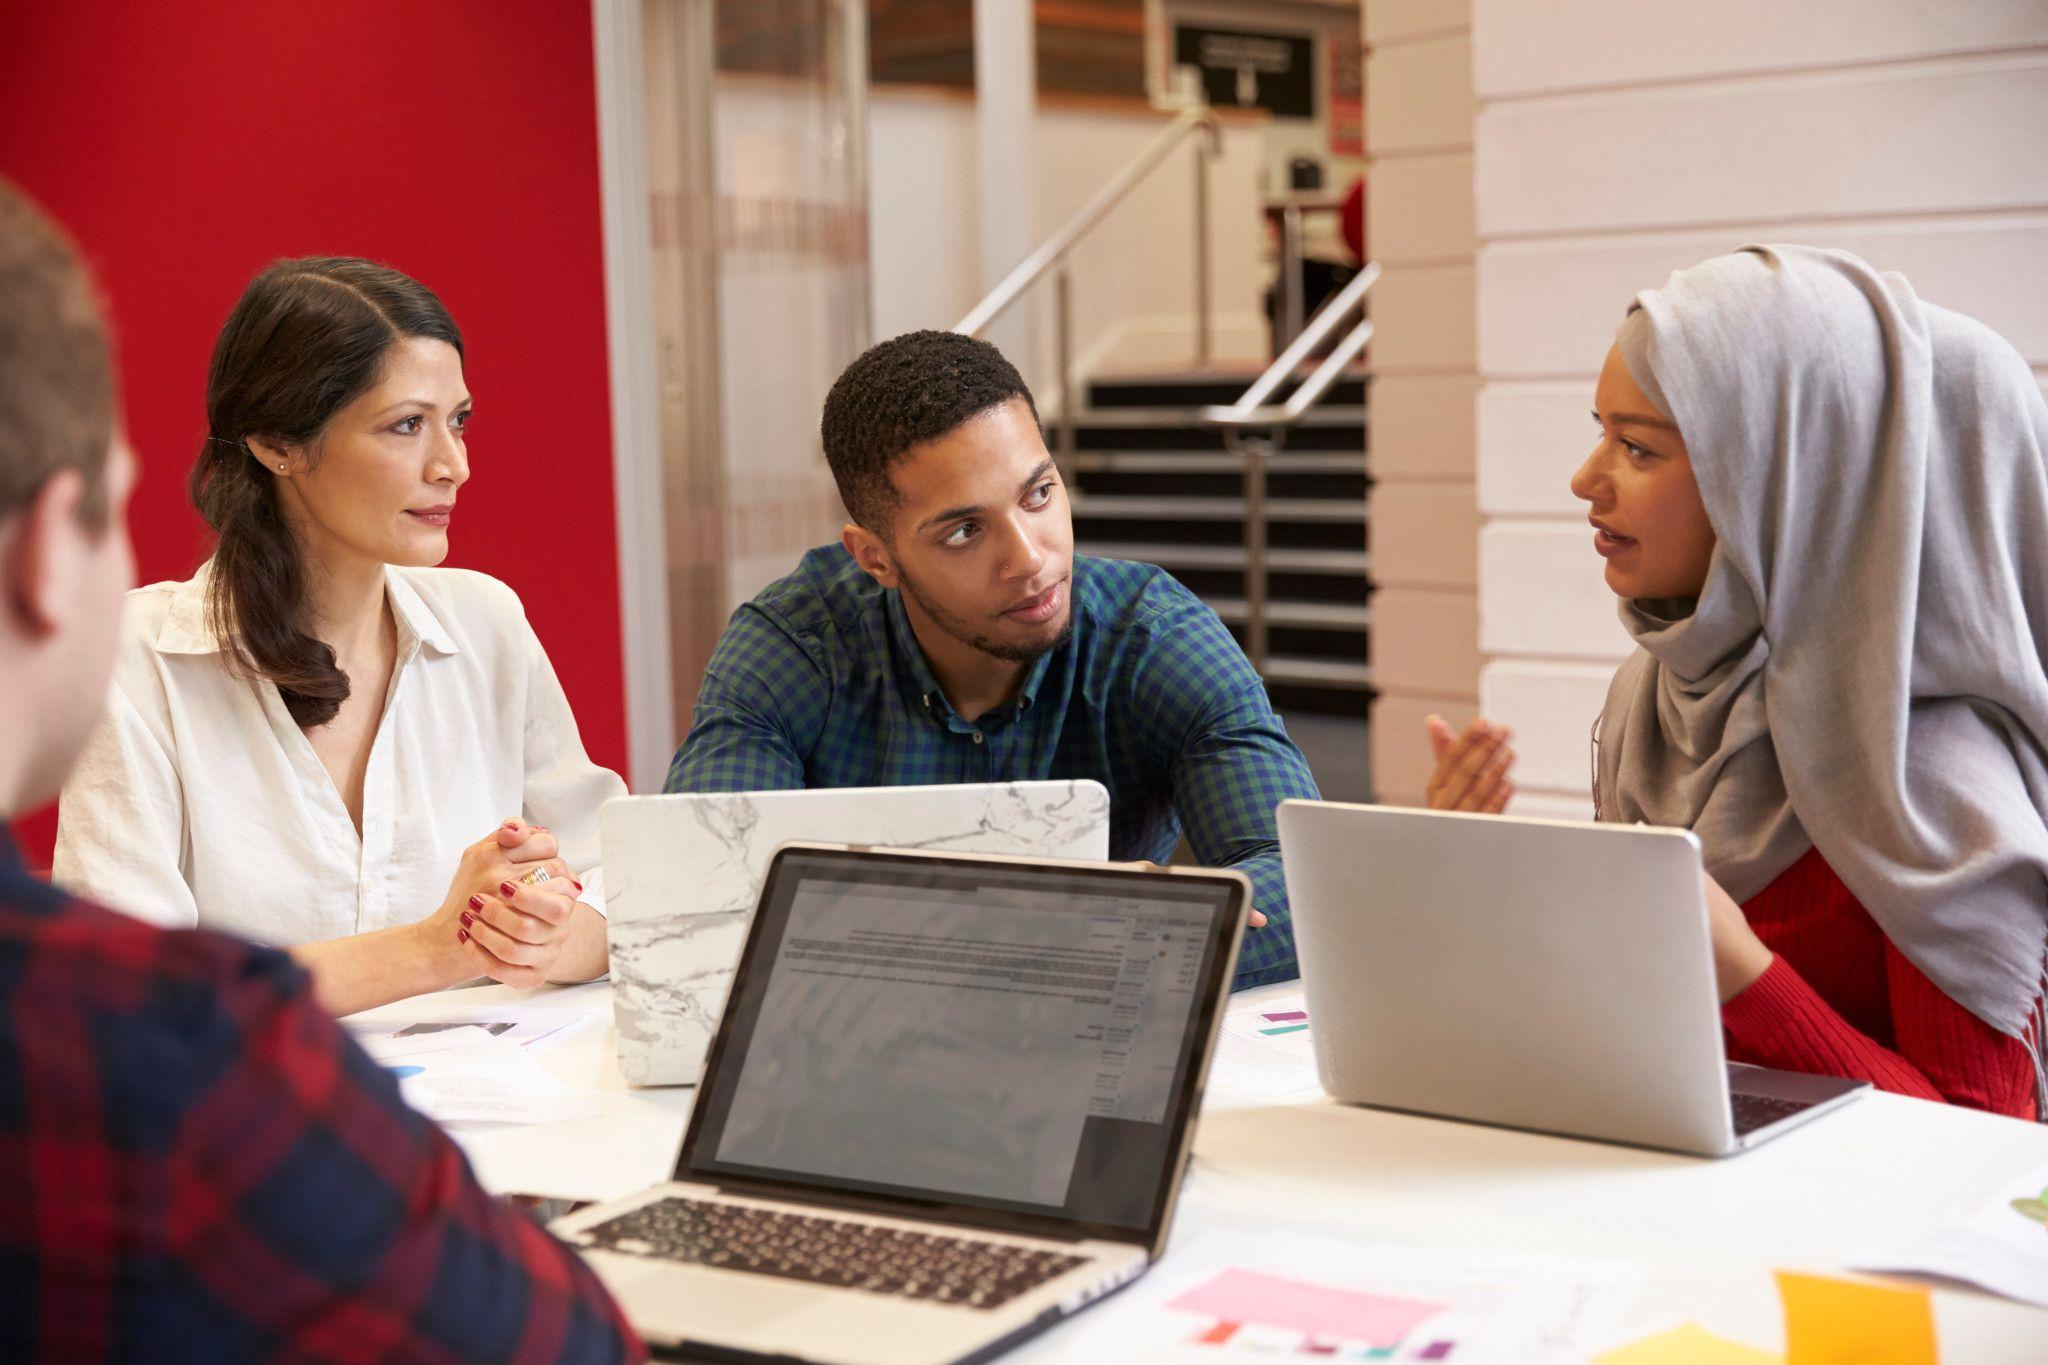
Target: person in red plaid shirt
x,y
195,1162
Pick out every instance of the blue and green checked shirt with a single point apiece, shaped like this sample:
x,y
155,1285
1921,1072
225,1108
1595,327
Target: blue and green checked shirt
x,y
819,682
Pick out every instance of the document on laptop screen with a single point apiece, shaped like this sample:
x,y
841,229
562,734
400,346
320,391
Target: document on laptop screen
x,y
964,1036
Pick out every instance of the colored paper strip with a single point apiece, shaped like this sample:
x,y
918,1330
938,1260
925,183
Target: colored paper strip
x,y
1314,1310
1285,1016
1436,1350
1218,1334
1284,1028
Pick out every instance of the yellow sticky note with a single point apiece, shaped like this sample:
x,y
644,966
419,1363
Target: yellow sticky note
x,y
1855,1322
1691,1344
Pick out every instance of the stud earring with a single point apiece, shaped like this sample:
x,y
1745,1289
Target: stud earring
x,y
280,469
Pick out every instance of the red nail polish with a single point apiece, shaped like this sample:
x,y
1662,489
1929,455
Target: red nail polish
x,y
475,903
578,885
462,935
507,890
466,920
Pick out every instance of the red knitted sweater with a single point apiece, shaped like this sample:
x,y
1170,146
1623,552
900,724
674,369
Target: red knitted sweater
x,y
1840,1000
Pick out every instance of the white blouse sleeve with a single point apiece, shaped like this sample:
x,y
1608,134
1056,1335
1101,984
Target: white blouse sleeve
x,y
121,820
563,787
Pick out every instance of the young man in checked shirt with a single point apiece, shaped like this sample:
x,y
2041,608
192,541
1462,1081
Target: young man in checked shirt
x,y
195,1163
953,635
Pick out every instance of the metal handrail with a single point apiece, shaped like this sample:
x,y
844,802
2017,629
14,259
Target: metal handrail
x,y
1253,411
1055,248
1196,117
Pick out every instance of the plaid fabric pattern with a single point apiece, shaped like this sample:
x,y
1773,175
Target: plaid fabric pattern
x,y
197,1164
819,682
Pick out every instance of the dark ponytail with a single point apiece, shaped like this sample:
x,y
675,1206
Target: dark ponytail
x,y
308,338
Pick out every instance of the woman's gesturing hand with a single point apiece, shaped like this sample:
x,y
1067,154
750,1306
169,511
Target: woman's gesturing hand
x,y
1471,768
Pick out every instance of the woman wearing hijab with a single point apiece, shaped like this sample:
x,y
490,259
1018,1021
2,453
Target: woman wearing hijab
x,y
1824,506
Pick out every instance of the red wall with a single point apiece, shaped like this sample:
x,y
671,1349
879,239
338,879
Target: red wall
x,y
186,144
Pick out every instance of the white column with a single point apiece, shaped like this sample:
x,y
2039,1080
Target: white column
x,y
1005,98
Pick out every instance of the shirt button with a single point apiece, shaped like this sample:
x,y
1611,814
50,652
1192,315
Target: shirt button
x,y
977,736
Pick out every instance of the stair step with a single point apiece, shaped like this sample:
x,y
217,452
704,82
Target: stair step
x,y
1141,506
1167,390
1278,560
1168,462
1299,671
1326,615
1326,415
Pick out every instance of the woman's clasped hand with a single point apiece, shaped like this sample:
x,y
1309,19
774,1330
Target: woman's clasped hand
x,y
509,905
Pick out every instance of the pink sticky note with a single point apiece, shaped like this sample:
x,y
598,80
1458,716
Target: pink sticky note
x,y
1314,1310
1285,1016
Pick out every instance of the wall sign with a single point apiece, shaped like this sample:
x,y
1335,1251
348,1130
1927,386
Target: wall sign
x,y
1248,69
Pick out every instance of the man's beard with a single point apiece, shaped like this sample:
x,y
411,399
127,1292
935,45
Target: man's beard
x,y
959,630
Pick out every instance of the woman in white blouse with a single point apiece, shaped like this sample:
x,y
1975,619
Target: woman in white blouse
x,y
317,741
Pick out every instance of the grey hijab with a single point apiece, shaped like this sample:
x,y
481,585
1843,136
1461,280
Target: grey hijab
x,y
1863,669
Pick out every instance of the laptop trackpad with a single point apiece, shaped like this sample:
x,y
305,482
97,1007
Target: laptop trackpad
x,y
674,1303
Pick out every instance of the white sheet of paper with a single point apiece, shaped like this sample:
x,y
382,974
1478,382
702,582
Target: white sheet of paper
x,y
1251,1061
488,1080
1491,1306
2001,1246
534,1026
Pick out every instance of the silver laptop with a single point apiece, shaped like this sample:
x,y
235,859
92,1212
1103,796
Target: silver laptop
x,y
1541,974
950,1102
682,874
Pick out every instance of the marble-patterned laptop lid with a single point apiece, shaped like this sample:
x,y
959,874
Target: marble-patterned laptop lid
x,y
682,873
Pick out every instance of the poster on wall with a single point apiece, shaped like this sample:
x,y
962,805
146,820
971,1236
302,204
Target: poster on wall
x,y
1249,69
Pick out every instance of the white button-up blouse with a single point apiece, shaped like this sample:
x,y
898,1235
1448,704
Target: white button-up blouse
x,y
199,802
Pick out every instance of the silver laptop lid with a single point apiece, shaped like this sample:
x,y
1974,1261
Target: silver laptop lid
x,y
1542,974
1014,1044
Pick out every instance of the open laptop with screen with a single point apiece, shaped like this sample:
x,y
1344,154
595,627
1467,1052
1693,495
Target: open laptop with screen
x,y
1544,974
950,1102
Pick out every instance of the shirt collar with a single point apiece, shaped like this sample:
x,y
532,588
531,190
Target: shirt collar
x,y
187,629
924,685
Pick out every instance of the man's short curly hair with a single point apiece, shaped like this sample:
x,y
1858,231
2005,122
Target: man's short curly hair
x,y
900,394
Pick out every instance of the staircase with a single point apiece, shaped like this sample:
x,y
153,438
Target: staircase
x,y
1152,483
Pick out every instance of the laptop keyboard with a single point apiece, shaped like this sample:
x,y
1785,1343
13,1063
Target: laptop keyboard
x,y
830,1251
1756,1111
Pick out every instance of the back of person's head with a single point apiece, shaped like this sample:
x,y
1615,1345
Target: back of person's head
x,y
56,376
307,338
63,553
896,396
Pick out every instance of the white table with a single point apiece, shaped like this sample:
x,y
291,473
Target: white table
x,y
1711,1231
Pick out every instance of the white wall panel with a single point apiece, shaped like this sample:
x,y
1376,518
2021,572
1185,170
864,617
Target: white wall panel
x,y
1421,426
1551,307
1423,535
1541,592
1964,133
1388,22
1520,48
1551,708
1531,436
1419,208
1419,96
1426,641
1423,319
1541,805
